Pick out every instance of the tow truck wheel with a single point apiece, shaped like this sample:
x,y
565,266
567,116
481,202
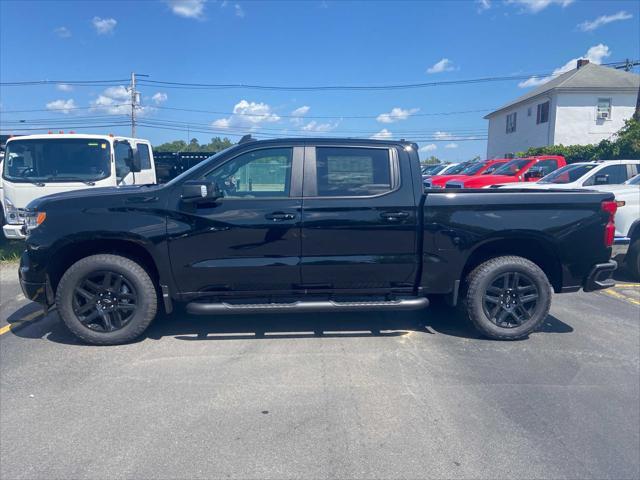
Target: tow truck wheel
x,y
507,297
106,299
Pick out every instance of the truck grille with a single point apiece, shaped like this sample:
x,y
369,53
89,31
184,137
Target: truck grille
x,y
454,185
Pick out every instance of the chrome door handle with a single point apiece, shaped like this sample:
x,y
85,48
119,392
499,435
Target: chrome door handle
x,y
279,216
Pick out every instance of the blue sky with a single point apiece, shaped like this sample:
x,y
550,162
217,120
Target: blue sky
x,y
297,44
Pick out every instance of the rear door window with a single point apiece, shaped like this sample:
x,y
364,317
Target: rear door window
x,y
145,157
352,172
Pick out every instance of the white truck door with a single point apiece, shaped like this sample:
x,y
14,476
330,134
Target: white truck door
x,y
147,173
122,151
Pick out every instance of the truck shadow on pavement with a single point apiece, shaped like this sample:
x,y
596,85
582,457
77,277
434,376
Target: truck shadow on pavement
x,y
437,319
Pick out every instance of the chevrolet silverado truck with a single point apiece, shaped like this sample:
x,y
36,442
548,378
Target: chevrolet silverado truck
x,y
300,225
528,169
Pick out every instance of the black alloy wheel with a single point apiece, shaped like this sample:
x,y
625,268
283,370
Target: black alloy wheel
x,y
510,299
104,301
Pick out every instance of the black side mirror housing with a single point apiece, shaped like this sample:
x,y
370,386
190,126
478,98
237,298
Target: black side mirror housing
x,y
134,162
534,173
195,191
601,179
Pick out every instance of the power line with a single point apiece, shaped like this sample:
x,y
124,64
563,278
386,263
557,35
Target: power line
x,y
77,83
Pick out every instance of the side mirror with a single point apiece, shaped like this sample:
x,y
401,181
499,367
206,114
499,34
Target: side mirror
x,y
195,191
601,179
534,173
133,161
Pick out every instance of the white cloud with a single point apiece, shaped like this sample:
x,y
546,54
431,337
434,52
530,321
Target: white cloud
x,y
589,26
396,114
62,106
451,145
382,134
483,5
247,115
62,32
595,55
187,8
441,135
535,6
63,87
429,148
301,111
104,26
239,11
444,65
114,100
159,97
314,126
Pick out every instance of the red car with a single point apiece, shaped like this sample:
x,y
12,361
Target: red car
x,y
529,169
485,167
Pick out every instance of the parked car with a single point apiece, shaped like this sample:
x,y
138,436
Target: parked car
x,y
441,169
529,169
626,245
585,174
39,165
233,235
486,167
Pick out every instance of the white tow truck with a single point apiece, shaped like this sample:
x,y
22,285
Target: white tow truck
x,y
39,165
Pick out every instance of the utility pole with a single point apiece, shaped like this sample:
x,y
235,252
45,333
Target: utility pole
x,y
133,104
627,66
135,101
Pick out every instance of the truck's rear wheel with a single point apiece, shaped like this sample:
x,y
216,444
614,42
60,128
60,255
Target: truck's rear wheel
x,y
507,297
106,299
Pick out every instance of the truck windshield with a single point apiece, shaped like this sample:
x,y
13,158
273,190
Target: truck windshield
x,y
458,169
568,174
473,169
512,168
57,160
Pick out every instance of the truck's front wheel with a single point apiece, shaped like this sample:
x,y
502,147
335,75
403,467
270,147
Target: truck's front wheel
x,y
508,297
106,299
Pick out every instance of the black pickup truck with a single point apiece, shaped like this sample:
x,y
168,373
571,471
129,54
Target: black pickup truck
x,y
303,225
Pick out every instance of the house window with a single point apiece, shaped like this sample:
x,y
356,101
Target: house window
x,y
603,110
543,113
529,112
511,122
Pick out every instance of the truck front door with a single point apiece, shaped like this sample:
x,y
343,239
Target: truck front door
x,y
250,239
359,219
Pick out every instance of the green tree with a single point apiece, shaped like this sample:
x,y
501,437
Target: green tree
x,y
625,145
215,145
432,160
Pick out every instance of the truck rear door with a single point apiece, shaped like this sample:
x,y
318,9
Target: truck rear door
x,y
359,219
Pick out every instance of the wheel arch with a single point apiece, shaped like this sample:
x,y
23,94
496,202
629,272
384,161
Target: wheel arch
x,y
535,248
71,252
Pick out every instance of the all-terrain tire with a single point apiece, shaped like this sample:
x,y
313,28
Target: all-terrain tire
x,y
482,277
134,273
632,260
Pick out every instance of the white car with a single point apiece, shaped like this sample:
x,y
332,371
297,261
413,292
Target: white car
x,y
627,220
583,175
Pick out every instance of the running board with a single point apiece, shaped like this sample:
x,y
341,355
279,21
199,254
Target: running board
x,y
199,308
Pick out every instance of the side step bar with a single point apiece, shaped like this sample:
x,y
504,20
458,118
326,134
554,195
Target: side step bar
x,y
198,308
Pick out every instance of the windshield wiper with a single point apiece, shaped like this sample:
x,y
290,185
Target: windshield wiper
x,y
71,179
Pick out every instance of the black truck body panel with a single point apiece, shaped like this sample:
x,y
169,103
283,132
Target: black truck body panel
x,y
407,241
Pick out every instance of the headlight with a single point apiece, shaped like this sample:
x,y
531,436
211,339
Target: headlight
x,y
11,212
33,219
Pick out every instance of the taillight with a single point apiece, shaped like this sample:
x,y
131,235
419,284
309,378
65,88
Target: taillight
x,y
610,207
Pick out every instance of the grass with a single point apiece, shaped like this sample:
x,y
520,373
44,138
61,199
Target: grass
x,y
10,250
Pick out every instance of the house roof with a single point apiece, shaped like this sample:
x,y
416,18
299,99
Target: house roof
x,y
588,77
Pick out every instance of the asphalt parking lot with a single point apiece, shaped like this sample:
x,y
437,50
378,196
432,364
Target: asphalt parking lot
x,y
372,395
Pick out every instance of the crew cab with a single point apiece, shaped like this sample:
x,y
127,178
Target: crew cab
x,y
39,165
528,169
301,225
486,167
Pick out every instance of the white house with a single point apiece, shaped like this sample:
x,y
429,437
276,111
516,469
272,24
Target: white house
x,y
579,107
